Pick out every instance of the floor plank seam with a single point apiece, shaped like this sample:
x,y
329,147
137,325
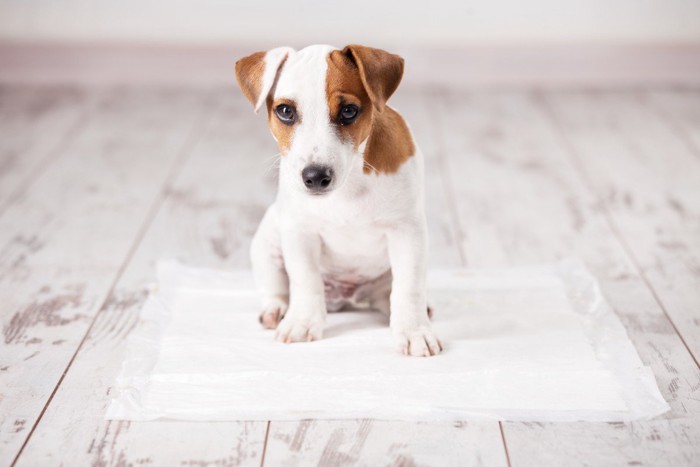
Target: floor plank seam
x,y
505,444
450,195
575,157
267,434
648,284
190,143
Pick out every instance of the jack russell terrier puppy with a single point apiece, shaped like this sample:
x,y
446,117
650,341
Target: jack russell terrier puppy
x,y
348,226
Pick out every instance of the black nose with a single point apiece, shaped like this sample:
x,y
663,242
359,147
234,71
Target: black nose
x,y
317,177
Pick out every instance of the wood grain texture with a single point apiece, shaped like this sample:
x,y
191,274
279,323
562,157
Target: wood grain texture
x,y
680,110
521,200
646,177
36,124
670,443
369,443
63,242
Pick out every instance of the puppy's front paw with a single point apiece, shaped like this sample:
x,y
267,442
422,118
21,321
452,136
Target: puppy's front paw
x,y
418,341
300,329
273,311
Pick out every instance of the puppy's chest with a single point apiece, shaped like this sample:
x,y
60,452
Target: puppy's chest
x,y
354,253
351,259
353,236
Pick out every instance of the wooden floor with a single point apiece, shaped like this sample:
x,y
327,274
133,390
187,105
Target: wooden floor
x,y
97,184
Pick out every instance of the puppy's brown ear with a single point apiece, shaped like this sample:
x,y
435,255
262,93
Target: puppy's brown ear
x,y
380,72
257,74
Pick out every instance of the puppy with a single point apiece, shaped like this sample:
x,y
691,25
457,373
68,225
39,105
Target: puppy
x,y
348,226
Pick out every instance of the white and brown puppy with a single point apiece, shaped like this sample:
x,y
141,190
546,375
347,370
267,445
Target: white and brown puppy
x,y
348,226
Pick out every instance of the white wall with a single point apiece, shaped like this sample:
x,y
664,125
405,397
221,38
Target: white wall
x,y
297,22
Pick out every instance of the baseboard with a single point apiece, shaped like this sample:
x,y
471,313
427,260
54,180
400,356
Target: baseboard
x,y
474,66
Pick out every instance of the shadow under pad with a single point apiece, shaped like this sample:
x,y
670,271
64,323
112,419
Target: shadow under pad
x,y
526,344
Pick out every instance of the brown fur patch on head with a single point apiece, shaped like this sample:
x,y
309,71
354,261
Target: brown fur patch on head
x,y
283,133
254,78
380,71
349,82
390,144
249,73
343,87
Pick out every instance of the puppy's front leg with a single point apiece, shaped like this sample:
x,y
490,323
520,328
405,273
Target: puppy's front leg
x,y
307,304
409,322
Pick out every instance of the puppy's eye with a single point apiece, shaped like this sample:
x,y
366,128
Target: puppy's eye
x,y
348,114
286,113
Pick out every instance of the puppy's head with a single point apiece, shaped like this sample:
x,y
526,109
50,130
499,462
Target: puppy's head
x,y
321,104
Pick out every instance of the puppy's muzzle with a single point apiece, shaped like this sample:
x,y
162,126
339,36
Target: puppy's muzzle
x,y
317,178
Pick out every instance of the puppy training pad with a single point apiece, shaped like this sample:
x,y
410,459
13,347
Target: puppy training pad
x,y
529,344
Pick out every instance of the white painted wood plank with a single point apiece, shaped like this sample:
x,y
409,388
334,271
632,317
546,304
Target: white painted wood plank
x,y
367,442
36,122
672,443
63,242
681,111
649,180
521,201
159,443
207,219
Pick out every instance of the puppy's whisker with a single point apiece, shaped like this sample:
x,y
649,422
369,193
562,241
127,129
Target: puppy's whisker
x,y
272,158
274,162
271,169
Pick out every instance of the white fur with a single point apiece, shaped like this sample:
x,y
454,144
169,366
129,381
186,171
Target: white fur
x,y
362,244
273,59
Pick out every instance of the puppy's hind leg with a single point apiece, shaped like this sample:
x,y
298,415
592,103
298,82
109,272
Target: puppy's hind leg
x,y
377,293
268,270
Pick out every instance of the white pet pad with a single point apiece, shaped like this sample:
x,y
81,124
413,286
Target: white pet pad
x,y
537,344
